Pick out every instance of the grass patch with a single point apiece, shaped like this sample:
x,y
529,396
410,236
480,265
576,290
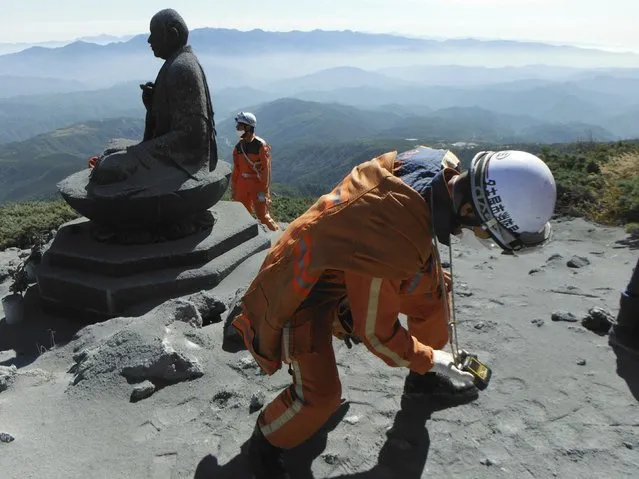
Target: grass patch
x,y
22,223
287,208
632,229
597,181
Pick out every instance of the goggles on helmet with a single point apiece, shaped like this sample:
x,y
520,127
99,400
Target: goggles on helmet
x,y
507,239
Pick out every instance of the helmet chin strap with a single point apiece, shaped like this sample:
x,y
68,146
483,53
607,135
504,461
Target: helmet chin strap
x,y
466,221
450,315
449,312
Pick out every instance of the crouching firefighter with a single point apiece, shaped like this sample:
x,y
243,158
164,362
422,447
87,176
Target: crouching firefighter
x,y
363,254
251,179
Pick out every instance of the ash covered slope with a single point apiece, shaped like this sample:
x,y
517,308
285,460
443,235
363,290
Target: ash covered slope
x,y
555,406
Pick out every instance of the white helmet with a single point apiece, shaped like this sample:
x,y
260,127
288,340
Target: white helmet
x,y
246,118
514,195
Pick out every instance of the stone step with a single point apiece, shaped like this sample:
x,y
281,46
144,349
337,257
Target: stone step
x,y
75,249
104,296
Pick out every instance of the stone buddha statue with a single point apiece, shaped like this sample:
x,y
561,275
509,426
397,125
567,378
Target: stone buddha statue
x,y
173,174
179,129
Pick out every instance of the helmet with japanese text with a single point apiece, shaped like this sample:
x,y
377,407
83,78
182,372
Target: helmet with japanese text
x,y
514,195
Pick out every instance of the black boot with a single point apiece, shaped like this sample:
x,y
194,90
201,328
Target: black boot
x,y
625,338
265,459
438,386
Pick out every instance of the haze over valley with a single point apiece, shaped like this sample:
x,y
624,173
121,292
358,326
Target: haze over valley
x,y
317,94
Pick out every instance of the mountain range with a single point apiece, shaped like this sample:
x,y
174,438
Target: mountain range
x,y
313,143
103,39
260,56
324,100
603,102
31,169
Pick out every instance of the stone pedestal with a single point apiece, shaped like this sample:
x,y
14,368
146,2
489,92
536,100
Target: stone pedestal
x,y
151,199
81,274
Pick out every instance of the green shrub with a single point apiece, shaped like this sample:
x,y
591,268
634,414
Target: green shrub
x,y
286,208
598,181
632,229
22,223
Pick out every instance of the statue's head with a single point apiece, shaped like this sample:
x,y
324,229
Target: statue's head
x,y
168,33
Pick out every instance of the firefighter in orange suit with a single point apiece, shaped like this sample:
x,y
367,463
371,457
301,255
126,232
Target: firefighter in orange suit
x,y
361,255
251,180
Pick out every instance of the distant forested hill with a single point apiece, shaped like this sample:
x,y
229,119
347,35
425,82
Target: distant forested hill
x,y
31,169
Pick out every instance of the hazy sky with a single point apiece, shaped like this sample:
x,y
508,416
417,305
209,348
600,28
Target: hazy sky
x,y
606,23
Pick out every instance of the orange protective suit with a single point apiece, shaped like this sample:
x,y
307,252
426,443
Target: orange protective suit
x,y
369,240
251,180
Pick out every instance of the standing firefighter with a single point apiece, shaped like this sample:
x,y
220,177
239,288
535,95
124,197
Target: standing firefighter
x,y
251,180
361,255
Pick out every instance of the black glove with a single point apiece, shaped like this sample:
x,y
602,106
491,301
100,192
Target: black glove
x,y
147,94
350,338
346,320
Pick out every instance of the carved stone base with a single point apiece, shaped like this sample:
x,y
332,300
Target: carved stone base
x,y
158,233
157,199
80,274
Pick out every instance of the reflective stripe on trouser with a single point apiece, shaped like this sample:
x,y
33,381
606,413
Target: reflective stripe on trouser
x,y
302,408
247,194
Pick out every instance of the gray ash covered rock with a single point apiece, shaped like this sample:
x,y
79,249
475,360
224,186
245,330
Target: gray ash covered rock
x,y
598,320
153,348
